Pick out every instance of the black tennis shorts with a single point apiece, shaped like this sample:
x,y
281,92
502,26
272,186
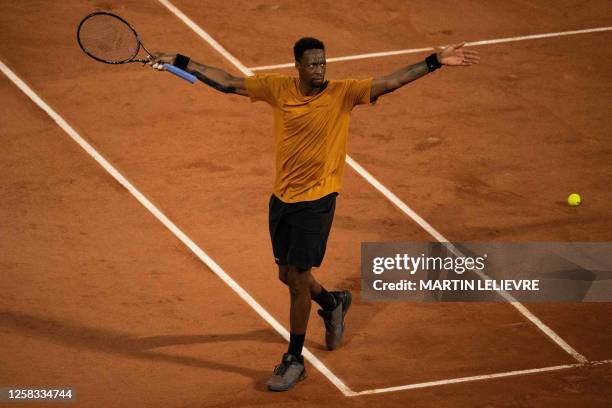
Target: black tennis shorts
x,y
299,231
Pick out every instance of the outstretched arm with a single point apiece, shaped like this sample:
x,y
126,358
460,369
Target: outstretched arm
x,y
453,55
214,77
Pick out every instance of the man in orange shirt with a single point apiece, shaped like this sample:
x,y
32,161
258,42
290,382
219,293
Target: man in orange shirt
x,y
311,118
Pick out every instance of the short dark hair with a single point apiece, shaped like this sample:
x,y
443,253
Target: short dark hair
x,y
304,44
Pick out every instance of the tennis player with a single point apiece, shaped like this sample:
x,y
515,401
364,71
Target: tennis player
x,y
311,117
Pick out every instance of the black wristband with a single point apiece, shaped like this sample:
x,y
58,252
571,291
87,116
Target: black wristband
x,y
181,62
432,62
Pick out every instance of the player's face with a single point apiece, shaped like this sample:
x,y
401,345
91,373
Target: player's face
x,y
311,67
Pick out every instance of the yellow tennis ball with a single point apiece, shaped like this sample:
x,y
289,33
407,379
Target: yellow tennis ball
x,y
574,199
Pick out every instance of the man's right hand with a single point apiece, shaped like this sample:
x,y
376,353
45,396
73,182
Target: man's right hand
x,y
158,59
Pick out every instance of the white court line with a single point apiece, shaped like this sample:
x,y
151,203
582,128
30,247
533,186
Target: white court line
x,y
389,195
199,31
244,295
417,50
476,378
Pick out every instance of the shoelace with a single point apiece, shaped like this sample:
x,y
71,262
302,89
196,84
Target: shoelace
x,y
280,369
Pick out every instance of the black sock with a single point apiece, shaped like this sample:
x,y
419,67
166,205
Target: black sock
x,y
296,343
326,300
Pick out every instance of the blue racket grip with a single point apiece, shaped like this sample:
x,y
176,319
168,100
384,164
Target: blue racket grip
x,y
180,73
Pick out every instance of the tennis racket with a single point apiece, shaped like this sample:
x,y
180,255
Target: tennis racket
x,y
108,38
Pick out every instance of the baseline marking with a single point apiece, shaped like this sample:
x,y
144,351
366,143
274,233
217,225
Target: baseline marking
x,y
157,213
477,378
387,193
417,50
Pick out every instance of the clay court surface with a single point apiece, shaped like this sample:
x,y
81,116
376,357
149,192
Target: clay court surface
x,y
97,295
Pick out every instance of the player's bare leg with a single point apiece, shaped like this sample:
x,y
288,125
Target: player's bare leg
x,y
315,287
299,281
334,306
291,369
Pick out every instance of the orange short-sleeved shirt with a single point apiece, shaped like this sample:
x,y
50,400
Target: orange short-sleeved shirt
x,y
311,132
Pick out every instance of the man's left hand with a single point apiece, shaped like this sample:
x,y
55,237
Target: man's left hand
x,y
455,55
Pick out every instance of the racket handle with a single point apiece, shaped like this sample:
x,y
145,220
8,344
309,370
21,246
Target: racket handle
x,y
180,73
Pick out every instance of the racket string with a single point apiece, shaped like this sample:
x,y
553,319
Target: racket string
x,y
108,38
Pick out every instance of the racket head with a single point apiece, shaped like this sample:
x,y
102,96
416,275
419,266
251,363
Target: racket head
x,y
108,38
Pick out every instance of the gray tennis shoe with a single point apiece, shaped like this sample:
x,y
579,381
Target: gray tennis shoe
x,y
288,373
334,319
